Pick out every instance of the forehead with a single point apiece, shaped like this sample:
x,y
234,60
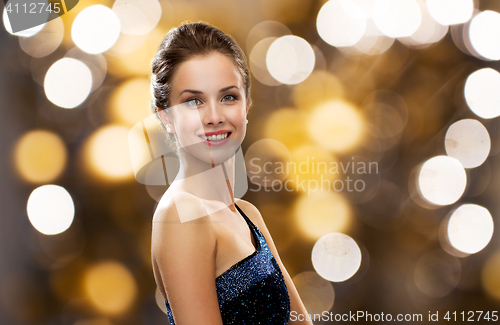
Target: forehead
x,y
207,73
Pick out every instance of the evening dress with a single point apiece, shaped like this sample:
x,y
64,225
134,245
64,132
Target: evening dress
x,y
252,291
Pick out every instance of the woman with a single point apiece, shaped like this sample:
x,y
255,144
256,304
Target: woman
x,y
201,88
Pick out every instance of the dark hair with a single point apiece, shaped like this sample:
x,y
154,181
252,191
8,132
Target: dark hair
x,y
179,45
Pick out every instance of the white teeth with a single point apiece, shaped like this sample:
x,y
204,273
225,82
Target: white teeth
x,y
217,137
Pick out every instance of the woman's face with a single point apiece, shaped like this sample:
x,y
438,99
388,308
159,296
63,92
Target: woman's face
x,y
208,108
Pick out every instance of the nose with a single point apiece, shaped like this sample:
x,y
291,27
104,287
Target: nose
x,y
213,114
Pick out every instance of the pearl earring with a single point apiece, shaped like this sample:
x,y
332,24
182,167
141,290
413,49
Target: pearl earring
x,y
246,121
168,128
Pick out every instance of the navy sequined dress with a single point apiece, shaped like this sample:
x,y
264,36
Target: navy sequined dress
x,y
253,290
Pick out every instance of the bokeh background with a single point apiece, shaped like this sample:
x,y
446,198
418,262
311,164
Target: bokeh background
x,y
408,86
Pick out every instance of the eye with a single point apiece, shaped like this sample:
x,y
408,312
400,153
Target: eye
x,y
228,98
193,102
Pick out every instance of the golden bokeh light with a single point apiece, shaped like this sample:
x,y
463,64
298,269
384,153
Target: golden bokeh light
x,y
290,59
94,321
450,12
480,92
312,168
468,141
263,30
68,82
258,65
316,293
441,180
341,23
110,287
397,18
336,257
107,153
44,42
336,125
266,162
319,87
322,212
129,102
96,29
490,276
50,209
484,32
288,126
470,228
137,17
40,156
436,273
137,61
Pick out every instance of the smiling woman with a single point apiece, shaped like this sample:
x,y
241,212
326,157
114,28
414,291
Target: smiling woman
x,y
214,260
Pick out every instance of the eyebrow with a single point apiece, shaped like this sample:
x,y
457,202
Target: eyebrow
x,y
200,92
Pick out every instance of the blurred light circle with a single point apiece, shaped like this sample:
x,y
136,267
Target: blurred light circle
x,y
96,29
373,41
108,153
322,212
470,228
265,29
290,59
484,33
436,273
316,293
319,87
258,62
442,180
287,126
44,42
336,125
110,287
95,62
67,83
468,141
341,23
397,18
490,276
23,33
366,6
336,257
40,156
311,169
130,101
50,209
265,162
450,12
427,33
481,93
137,17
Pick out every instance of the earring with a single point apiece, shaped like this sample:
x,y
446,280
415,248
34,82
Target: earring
x,y
246,121
168,129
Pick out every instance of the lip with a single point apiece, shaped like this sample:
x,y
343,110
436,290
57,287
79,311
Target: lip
x,y
215,132
217,143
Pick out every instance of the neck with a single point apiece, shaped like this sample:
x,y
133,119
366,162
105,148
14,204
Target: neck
x,y
208,181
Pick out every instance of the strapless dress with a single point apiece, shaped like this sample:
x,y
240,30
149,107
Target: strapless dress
x,y
252,291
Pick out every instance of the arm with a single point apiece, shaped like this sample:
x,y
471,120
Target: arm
x,y
185,257
296,303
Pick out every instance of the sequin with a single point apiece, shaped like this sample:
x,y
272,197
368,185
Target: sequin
x,y
253,290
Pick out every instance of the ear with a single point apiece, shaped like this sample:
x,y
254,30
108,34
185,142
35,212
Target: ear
x,y
165,119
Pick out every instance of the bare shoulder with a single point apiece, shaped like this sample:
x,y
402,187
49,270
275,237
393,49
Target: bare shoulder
x,y
251,212
175,207
179,218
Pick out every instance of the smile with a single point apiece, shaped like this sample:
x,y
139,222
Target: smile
x,y
215,138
